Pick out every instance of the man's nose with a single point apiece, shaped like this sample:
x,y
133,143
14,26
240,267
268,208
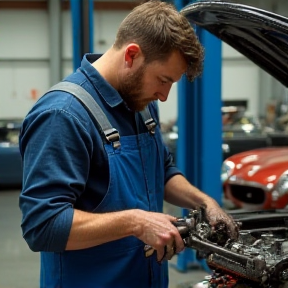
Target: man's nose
x,y
162,97
164,93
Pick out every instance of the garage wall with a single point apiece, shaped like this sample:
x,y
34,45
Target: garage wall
x,y
24,60
240,81
21,84
105,26
24,53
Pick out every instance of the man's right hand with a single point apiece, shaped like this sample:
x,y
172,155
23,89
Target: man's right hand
x,y
158,231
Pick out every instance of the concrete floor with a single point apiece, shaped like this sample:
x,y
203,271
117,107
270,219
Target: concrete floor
x,y
19,267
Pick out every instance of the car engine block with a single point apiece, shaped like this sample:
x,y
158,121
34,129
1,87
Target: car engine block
x,y
258,258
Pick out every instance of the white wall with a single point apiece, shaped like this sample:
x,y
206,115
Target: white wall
x,y
23,34
24,59
21,84
105,26
168,110
24,62
24,53
240,79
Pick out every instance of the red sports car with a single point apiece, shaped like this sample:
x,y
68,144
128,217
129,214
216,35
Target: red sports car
x,y
257,179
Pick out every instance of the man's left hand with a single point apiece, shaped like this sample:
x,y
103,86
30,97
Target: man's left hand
x,y
216,215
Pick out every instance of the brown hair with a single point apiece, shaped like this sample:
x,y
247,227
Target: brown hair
x,y
159,29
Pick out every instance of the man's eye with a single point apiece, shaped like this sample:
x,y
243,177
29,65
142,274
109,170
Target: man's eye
x,y
163,82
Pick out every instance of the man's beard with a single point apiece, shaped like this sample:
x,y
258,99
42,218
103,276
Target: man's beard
x,y
131,90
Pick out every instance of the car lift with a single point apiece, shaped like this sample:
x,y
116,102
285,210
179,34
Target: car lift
x,y
199,147
82,29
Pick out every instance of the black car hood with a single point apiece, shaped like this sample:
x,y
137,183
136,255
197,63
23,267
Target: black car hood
x,y
260,35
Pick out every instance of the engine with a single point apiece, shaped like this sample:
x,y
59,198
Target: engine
x,y
258,258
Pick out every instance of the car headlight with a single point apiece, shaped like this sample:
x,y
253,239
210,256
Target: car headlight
x,y
282,185
227,170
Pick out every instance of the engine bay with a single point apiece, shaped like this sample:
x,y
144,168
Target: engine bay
x,y
258,258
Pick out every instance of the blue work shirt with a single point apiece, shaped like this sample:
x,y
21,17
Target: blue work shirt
x,y
64,159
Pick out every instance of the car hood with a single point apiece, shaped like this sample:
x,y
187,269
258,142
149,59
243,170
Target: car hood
x,y
260,35
262,156
261,164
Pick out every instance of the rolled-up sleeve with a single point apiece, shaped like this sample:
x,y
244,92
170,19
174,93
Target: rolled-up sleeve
x,y
56,149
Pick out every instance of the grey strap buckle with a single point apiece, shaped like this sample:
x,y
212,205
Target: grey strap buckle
x,y
151,125
113,136
148,120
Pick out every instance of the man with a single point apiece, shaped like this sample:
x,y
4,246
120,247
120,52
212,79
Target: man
x,y
90,204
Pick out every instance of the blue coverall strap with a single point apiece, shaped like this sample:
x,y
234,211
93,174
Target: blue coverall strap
x,y
110,134
148,120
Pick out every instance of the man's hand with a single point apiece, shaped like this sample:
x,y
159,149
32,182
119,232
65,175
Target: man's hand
x,y
157,231
179,192
216,215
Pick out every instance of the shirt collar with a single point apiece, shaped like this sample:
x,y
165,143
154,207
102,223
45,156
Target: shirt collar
x,y
107,92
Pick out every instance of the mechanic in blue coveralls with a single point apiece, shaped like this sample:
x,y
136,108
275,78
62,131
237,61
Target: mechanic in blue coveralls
x,y
90,205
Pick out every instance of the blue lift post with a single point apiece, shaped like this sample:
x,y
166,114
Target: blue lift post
x,y
199,147
82,29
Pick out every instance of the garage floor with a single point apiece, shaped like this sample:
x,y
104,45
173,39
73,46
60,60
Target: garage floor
x,y
19,267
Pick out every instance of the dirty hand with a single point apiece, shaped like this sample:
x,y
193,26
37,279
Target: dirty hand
x,y
157,231
217,216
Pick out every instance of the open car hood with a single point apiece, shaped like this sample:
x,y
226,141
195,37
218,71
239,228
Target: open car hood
x,y
260,35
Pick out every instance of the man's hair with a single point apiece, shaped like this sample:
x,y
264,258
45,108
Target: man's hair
x,y
159,29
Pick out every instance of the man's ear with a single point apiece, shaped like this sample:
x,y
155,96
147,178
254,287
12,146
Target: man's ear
x,y
132,52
